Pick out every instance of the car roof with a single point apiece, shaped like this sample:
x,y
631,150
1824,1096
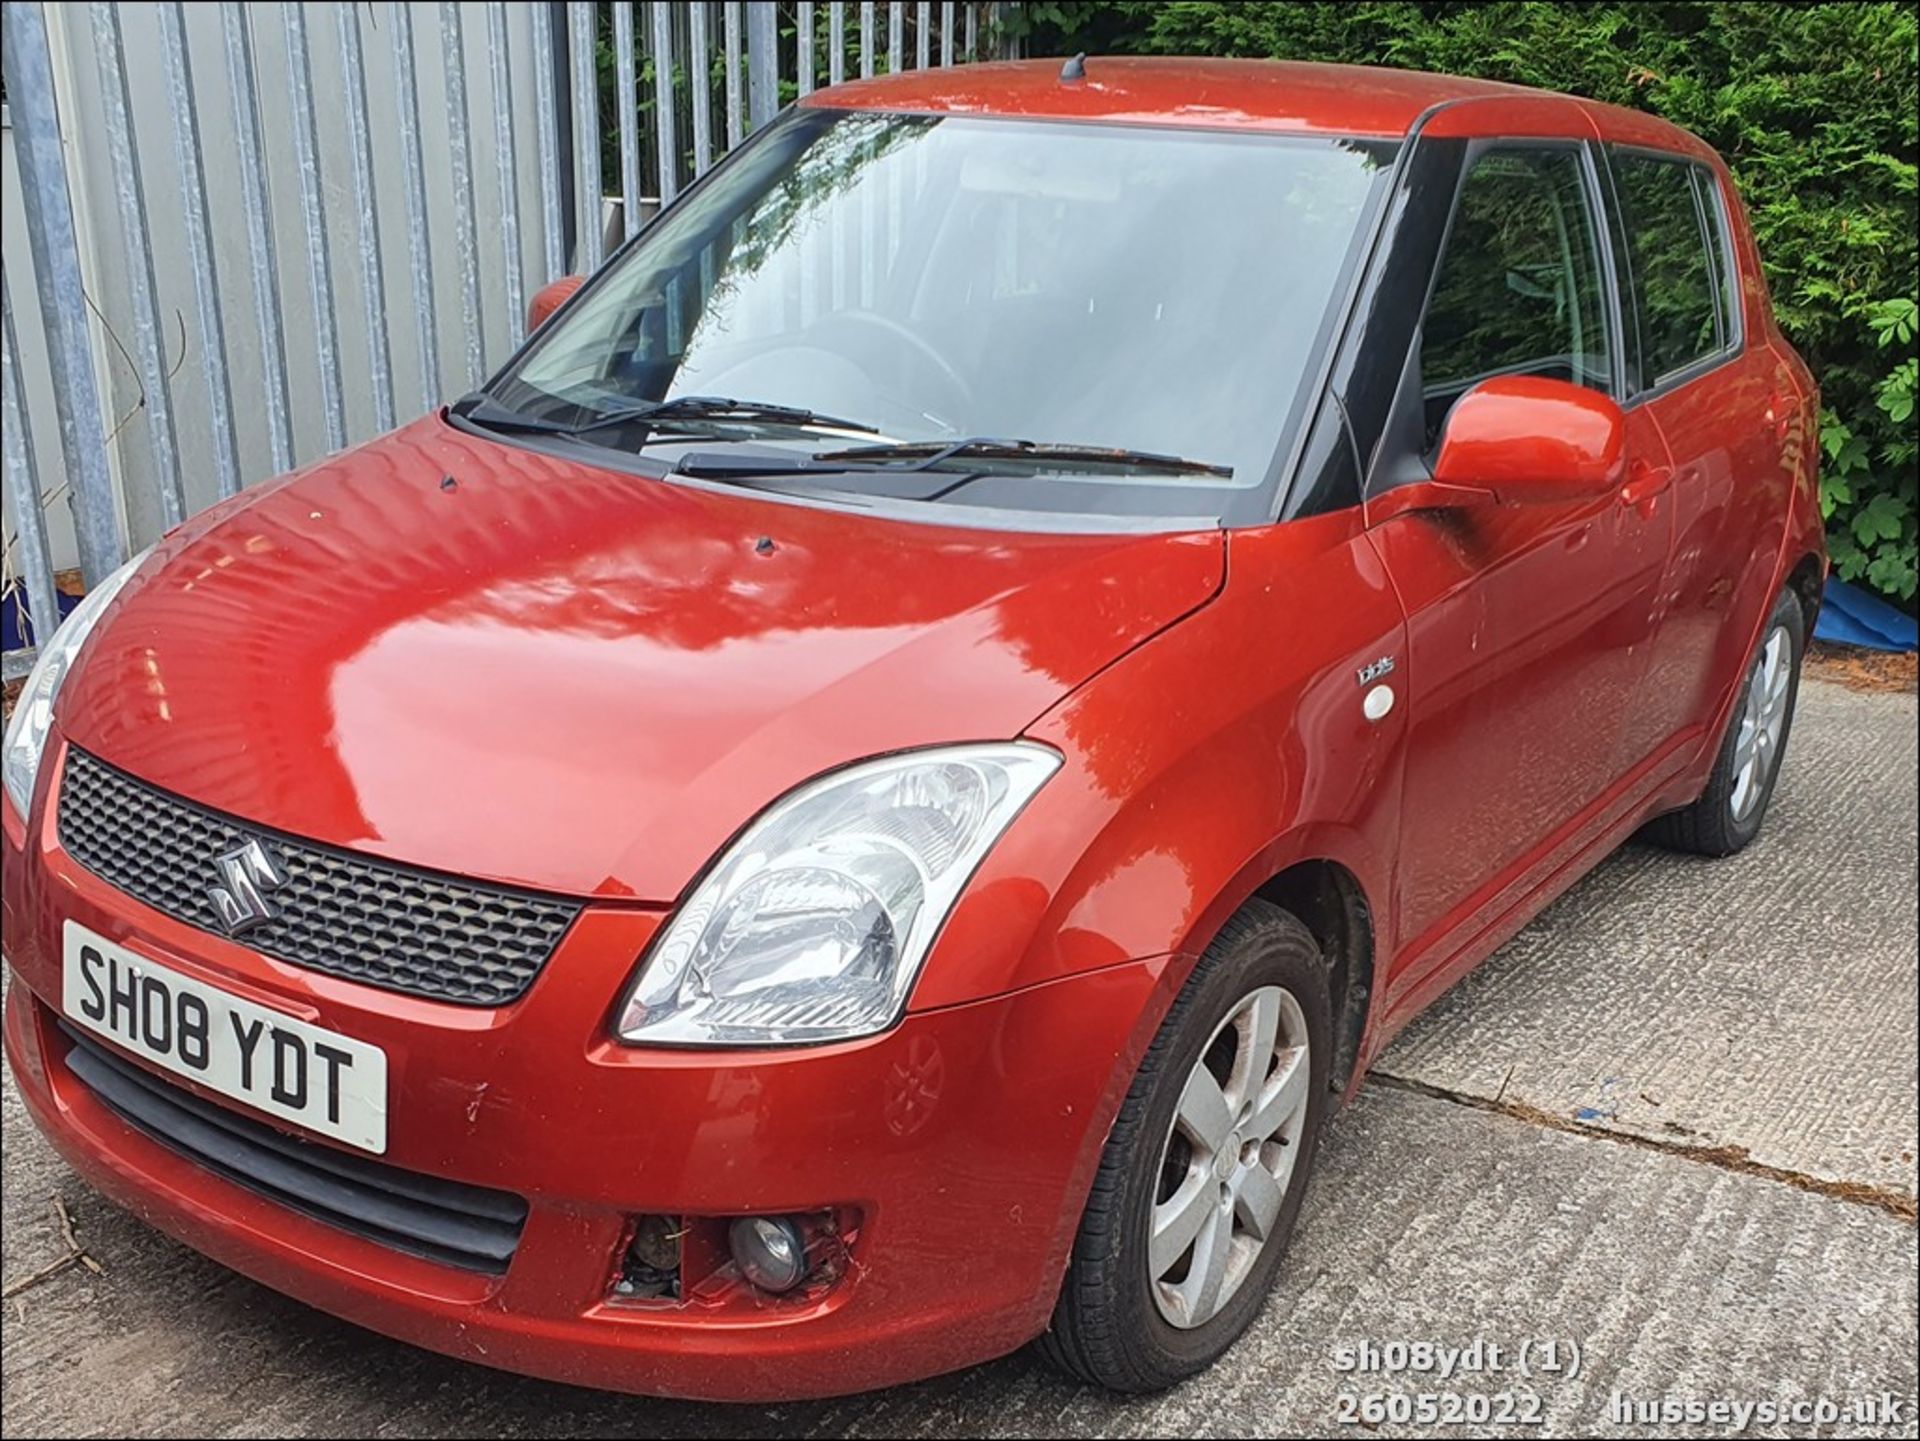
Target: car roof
x,y
1284,96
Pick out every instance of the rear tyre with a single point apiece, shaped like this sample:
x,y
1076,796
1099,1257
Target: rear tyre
x,y
1202,1176
1728,814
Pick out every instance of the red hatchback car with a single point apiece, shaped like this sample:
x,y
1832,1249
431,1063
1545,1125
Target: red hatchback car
x,y
861,802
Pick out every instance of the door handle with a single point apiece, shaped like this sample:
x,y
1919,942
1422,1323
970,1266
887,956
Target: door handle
x,y
1645,484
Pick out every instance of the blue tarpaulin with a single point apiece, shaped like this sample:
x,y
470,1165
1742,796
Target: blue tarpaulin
x,y
13,609
1852,616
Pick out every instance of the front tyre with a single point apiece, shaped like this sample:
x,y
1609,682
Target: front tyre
x,y
1202,1176
1728,814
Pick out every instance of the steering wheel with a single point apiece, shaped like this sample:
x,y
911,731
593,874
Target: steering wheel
x,y
959,392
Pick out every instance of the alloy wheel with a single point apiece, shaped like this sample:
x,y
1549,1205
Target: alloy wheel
x,y
1763,720
1229,1157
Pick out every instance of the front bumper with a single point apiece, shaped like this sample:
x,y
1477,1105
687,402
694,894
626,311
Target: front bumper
x,y
965,1138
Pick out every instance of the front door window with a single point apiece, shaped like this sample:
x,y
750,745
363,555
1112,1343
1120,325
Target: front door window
x,y
1520,288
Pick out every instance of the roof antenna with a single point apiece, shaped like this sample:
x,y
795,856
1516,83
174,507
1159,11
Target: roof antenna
x,y
1075,68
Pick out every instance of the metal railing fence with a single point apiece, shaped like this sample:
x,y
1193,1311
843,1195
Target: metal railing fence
x,y
229,206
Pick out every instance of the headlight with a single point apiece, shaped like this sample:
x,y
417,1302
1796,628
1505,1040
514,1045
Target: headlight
x,y
33,712
813,925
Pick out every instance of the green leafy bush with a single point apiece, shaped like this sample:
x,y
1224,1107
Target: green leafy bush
x,y
1813,106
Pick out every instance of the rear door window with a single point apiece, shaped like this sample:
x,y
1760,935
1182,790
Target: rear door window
x,y
1677,276
1519,289
1713,215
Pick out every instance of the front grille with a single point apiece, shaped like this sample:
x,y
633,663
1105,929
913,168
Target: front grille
x,y
345,914
466,1226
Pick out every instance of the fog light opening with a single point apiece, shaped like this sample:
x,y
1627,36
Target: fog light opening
x,y
771,1252
650,1263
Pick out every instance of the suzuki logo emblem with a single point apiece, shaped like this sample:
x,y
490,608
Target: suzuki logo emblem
x,y
247,873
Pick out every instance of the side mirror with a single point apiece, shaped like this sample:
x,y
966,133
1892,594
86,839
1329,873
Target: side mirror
x,y
549,298
1524,439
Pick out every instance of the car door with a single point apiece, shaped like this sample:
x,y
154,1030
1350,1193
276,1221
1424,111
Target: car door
x,y
1723,408
1527,624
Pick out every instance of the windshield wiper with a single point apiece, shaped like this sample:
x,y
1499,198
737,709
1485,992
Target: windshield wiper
x,y
977,456
484,410
721,407
1024,453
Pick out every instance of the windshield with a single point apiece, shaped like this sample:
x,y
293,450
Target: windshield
x,y
937,278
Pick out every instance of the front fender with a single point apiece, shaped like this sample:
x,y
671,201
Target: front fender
x,y
1196,767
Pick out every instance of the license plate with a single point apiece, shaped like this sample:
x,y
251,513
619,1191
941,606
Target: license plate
x,y
320,1080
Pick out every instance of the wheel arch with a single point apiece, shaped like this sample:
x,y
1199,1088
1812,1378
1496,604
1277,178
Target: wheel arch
x,y
1331,880
1328,899
1807,580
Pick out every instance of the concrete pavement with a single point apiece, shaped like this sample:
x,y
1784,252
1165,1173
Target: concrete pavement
x,y
1673,1122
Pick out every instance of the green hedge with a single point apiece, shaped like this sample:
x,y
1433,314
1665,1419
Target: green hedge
x,y
1813,106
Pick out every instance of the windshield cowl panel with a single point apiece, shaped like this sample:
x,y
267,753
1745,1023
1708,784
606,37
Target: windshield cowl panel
x,y
935,278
